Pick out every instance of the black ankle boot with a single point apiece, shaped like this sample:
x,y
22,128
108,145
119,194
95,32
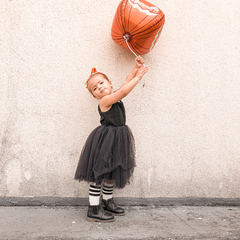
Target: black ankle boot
x,y
110,206
97,214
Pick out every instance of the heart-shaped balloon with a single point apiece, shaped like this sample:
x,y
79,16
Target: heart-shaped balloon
x,y
137,25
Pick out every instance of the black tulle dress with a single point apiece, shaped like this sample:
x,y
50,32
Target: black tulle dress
x,y
109,151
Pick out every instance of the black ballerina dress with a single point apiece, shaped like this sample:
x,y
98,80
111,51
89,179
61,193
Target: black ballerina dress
x,y
109,151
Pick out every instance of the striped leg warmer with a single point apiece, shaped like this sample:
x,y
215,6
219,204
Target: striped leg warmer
x,y
94,194
107,190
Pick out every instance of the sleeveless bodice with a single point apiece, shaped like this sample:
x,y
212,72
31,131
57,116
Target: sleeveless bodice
x,y
115,116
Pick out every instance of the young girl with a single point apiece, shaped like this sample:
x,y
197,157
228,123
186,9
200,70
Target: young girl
x,y
108,155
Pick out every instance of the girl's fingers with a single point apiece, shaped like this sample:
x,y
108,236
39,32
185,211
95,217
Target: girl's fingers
x,y
145,69
140,59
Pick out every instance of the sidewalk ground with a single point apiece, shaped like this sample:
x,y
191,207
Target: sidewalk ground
x,y
148,222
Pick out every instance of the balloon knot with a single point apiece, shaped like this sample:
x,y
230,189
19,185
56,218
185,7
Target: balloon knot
x,y
127,37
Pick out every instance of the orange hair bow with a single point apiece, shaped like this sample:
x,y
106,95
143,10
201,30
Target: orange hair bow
x,y
94,71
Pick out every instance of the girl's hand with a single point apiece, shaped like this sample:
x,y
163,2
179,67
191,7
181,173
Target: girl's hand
x,y
107,101
141,71
139,61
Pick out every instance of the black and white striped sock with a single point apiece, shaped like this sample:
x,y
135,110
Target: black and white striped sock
x,y
94,194
107,190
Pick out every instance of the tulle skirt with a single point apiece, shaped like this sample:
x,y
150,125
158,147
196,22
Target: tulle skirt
x,y
109,153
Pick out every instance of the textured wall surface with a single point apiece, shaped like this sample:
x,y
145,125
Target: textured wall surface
x,y
185,119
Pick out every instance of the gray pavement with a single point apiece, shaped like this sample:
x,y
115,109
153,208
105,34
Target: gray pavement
x,y
148,222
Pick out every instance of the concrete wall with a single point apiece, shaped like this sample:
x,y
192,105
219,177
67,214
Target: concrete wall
x,y
185,120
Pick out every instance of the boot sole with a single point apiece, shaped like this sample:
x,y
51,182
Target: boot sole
x,y
99,220
115,214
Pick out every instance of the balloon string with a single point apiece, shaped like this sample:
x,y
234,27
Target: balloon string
x,y
133,53
130,47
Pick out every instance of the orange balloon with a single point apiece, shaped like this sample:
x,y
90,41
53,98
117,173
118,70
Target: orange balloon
x,y
137,24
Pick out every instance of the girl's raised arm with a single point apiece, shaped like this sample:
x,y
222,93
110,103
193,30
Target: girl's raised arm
x,y
107,101
138,63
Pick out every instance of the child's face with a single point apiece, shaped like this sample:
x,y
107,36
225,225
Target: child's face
x,y
99,86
